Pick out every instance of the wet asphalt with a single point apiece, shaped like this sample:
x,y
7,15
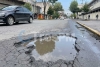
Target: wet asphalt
x,y
15,50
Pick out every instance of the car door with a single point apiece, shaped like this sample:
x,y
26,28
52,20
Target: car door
x,y
26,13
19,14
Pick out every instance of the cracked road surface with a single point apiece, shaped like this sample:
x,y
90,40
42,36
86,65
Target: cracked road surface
x,y
12,54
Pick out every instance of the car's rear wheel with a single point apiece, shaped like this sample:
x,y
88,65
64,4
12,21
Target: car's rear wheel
x,y
30,20
10,20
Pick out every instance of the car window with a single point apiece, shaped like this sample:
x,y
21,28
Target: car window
x,y
20,9
26,10
9,8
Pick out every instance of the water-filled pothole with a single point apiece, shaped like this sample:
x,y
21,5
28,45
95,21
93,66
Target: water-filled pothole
x,y
52,48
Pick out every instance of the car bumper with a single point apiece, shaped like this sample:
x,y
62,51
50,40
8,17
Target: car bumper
x,y
2,19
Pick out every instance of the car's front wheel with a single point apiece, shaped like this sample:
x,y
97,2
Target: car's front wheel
x,y
10,20
30,20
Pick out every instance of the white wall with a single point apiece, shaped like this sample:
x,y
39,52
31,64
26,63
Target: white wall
x,y
5,3
92,16
95,5
30,1
10,2
40,4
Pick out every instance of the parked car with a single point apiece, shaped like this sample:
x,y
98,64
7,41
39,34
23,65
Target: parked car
x,y
14,14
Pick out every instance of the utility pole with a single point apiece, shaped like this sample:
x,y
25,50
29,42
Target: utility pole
x,y
44,3
33,4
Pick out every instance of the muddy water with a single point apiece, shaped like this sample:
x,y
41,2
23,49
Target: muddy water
x,y
52,48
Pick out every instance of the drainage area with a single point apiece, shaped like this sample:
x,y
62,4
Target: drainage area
x,y
51,48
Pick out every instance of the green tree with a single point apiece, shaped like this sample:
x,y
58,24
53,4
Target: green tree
x,y
85,8
73,6
50,11
56,14
52,1
65,15
73,15
54,10
58,6
44,3
78,10
28,6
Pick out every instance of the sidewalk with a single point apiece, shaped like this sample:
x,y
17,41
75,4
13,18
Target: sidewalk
x,y
93,24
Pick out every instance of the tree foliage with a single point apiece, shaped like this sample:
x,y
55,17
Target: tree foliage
x,y
56,14
65,15
58,6
73,6
78,10
28,6
52,1
85,8
73,15
50,11
44,3
53,10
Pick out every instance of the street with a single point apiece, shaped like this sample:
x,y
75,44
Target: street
x,y
36,27
72,45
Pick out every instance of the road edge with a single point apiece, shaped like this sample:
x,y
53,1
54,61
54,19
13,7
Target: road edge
x,y
90,29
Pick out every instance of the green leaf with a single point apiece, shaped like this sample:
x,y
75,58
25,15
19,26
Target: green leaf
x,y
28,6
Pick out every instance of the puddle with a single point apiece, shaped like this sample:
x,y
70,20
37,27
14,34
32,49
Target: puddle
x,y
53,48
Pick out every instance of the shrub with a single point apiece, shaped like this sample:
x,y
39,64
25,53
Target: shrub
x,y
28,6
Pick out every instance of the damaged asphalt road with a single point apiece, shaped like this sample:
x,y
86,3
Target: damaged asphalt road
x,y
14,52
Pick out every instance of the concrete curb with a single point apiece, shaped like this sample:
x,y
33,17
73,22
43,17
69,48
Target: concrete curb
x,y
90,29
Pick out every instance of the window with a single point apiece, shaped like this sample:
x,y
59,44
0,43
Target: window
x,y
9,8
20,9
26,10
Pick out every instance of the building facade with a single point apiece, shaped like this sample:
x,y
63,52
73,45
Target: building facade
x,y
61,14
35,9
33,4
94,13
79,6
4,3
41,5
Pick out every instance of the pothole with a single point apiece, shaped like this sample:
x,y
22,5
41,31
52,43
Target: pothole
x,y
50,48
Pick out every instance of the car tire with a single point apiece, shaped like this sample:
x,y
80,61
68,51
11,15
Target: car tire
x,y
30,20
10,20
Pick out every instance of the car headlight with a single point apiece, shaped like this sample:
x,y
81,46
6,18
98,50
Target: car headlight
x,y
2,14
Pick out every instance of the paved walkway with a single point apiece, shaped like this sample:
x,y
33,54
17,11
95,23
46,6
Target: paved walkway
x,y
92,24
